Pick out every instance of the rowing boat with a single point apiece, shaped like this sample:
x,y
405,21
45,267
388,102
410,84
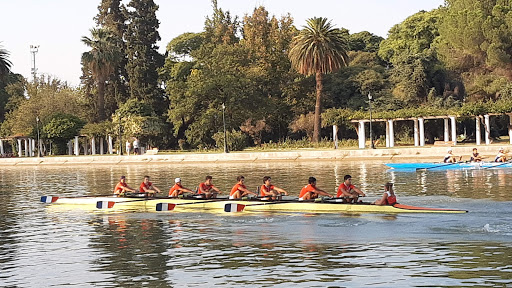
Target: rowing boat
x,y
446,166
150,205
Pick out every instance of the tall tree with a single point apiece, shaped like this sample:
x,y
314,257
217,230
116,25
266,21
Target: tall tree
x,y
143,57
5,63
101,61
318,49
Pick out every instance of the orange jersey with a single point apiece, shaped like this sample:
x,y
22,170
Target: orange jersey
x,y
342,185
204,187
235,188
118,188
143,185
306,189
174,188
266,189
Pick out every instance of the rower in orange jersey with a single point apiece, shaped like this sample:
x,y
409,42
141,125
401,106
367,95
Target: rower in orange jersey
x,y
148,187
311,191
348,191
239,190
207,189
178,189
389,197
122,187
269,191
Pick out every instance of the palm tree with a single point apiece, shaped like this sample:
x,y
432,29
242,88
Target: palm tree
x,y
5,64
318,49
102,61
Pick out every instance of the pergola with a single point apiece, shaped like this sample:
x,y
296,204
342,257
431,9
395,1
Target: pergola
x,y
450,129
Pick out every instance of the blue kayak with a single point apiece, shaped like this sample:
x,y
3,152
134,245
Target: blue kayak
x,y
446,166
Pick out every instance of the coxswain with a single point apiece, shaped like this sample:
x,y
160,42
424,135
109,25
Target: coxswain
x,y
178,189
122,187
148,187
502,156
239,190
389,197
207,189
310,191
269,191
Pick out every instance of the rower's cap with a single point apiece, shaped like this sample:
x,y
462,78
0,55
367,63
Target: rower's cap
x,y
449,149
501,149
177,180
122,177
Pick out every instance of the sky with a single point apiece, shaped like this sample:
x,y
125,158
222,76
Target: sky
x,y
57,26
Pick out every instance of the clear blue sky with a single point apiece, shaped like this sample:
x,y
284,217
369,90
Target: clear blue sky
x,y
58,25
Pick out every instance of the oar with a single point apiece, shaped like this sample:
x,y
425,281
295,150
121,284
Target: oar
x,y
52,199
504,163
444,165
171,206
110,204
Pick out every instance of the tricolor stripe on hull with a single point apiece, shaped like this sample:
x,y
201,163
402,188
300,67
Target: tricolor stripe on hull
x,y
233,207
165,206
105,204
48,199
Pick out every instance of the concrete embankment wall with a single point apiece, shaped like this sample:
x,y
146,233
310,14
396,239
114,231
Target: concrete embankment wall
x,y
411,154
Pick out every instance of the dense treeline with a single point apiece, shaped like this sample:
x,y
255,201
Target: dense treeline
x,y
455,59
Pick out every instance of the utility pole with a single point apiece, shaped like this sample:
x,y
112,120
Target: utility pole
x,y
34,49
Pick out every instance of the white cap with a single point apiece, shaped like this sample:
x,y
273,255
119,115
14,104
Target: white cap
x,y
501,148
177,180
449,149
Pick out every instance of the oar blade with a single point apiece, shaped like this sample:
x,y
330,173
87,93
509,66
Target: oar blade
x,y
105,204
48,199
165,206
233,207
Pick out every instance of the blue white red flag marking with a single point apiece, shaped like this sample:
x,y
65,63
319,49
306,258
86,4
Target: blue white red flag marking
x,y
48,199
105,204
233,207
165,206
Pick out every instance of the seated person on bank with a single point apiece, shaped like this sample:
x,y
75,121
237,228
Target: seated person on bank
x,y
269,191
450,158
311,191
148,187
475,156
348,191
178,189
502,156
239,190
207,189
389,197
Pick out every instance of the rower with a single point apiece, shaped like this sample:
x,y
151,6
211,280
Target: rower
x,y
502,156
122,187
178,189
148,187
389,197
310,191
475,156
269,191
450,158
348,191
239,190
207,189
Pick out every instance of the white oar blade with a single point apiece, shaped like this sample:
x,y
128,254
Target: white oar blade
x,y
233,207
105,204
165,206
48,199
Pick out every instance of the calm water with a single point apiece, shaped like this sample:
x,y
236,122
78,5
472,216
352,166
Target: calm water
x,y
41,247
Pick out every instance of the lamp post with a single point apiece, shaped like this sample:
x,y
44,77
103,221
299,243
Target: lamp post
x,y
224,123
38,139
370,108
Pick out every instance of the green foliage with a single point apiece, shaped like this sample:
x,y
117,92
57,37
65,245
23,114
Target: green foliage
x,y
236,140
185,43
98,129
5,63
136,119
60,128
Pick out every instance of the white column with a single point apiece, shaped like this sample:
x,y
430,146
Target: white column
x,y
478,134
93,146
77,150
19,148
391,134
1,147
33,150
362,137
101,145
110,145
335,136
487,130
421,122
446,130
387,133
510,128
86,147
26,148
416,133
454,130
70,145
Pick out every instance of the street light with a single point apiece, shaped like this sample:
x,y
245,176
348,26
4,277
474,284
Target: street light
x,y
38,140
370,107
224,122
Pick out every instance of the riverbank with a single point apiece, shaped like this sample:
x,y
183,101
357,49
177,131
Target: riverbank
x,y
401,154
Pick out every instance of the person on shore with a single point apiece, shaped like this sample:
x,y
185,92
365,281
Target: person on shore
x,y
128,147
475,156
389,197
136,146
450,158
148,187
348,191
207,189
178,189
502,156
310,191
122,187
269,191
240,190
